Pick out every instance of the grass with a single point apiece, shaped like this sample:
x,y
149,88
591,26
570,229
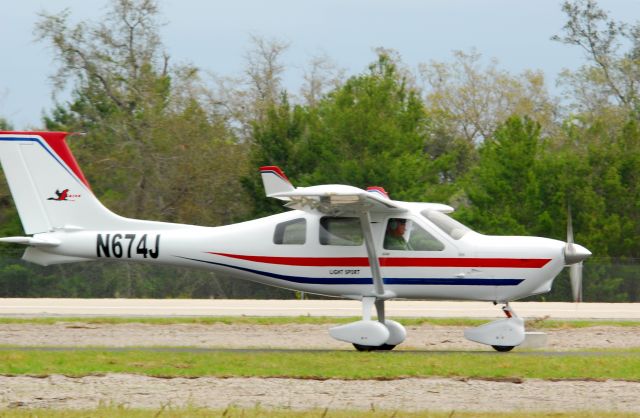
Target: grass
x,y
538,323
258,412
624,365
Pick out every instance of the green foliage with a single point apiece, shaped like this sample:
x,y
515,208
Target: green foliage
x,y
371,131
5,125
277,139
503,189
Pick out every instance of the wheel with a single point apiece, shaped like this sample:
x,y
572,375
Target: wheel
x,y
361,347
383,347
503,348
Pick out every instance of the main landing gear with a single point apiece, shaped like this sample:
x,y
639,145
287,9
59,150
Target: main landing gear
x,y
503,335
383,347
384,334
368,335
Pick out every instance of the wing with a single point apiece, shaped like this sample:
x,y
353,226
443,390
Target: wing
x,y
338,200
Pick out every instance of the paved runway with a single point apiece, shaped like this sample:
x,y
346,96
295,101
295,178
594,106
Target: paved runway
x,y
238,307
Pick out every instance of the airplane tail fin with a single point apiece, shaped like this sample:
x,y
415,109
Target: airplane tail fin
x,y
274,180
48,187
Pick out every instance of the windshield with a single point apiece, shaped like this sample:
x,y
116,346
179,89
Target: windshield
x,y
447,224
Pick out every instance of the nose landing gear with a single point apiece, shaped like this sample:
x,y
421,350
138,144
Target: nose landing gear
x,y
503,335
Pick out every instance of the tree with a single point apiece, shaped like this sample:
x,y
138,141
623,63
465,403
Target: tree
x,y
320,77
163,154
242,100
472,100
5,125
276,140
613,75
370,131
503,189
264,73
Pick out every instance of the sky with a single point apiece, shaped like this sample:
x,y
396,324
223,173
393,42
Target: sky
x,y
215,36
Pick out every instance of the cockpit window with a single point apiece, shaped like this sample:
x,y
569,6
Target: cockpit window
x,y
450,226
291,232
340,231
406,235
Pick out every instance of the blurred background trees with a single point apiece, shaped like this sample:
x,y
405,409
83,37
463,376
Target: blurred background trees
x,y
168,142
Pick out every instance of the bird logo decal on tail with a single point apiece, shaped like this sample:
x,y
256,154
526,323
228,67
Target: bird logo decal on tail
x,y
63,196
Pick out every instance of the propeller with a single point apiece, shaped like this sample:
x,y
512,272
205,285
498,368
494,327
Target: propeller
x,y
574,255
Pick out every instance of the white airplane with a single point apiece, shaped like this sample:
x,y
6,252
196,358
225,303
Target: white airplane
x,y
337,240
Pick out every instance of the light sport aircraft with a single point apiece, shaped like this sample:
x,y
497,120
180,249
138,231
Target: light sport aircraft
x,y
337,241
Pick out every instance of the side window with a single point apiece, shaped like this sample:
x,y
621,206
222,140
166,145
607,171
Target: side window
x,y
405,235
291,232
340,231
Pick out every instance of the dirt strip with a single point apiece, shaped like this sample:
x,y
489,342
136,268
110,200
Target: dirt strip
x,y
406,394
300,336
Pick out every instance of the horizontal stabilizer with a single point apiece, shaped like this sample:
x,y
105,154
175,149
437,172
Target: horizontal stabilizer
x,y
34,242
43,258
274,180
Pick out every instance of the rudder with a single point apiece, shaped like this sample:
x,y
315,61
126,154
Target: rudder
x,y
48,186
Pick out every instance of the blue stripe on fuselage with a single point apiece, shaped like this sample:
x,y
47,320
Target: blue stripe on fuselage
x,y
431,281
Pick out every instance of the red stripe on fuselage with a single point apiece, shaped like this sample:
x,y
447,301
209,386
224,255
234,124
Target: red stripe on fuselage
x,y
518,263
393,261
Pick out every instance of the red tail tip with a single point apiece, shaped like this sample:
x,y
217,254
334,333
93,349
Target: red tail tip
x,y
276,170
378,189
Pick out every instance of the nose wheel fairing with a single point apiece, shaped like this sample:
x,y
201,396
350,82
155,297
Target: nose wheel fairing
x,y
502,335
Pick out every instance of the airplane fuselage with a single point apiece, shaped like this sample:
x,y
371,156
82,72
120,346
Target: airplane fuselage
x,y
473,266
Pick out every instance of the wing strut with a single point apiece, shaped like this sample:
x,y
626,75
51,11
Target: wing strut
x,y
374,263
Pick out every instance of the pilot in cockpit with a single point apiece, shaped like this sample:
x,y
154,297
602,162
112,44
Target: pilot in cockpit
x,y
394,237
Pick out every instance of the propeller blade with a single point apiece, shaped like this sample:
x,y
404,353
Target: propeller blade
x,y
575,274
569,226
574,254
